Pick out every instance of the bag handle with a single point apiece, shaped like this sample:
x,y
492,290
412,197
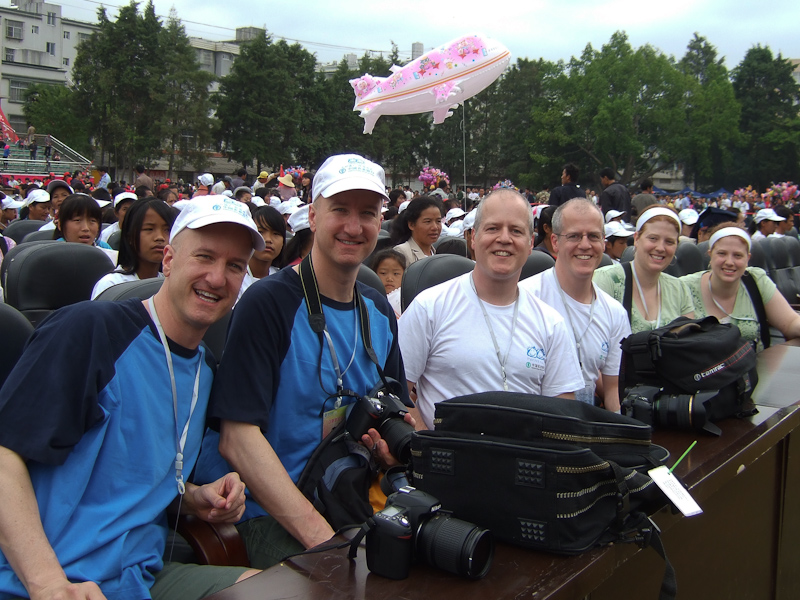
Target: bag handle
x,y
627,298
758,304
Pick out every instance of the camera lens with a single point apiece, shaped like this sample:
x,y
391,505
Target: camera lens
x,y
455,546
397,434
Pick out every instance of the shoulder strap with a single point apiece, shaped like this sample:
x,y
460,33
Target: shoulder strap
x,y
3,245
758,304
627,298
316,318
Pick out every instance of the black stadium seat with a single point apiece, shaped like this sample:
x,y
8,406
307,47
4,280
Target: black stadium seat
x,y
536,263
44,277
431,271
369,277
17,230
38,236
11,254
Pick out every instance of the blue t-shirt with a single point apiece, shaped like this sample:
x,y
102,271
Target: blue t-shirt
x,y
271,375
89,406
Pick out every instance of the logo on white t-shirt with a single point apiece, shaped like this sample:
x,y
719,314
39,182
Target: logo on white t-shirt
x,y
536,358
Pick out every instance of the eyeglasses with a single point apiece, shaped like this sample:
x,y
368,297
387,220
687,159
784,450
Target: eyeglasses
x,y
575,238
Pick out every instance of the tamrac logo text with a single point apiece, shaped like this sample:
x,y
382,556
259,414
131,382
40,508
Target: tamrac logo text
x,y
711,371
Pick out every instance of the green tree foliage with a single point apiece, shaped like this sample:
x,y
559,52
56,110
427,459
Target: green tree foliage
x,y
184,123
141,88
768,95
616,107
712,116
52,109
267,107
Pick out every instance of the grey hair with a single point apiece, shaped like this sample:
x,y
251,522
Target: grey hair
x,y
479,213
583,205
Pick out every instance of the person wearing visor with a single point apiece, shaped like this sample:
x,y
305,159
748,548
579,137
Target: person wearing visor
x,y
657,298
724,292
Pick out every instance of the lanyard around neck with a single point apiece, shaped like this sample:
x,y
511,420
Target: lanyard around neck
x,y
500,358
569,316
641,296
180,437
719,306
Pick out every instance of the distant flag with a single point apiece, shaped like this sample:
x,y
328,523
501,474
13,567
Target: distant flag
x,y
8,132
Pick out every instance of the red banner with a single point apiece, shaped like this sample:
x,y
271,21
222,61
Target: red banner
x,y
8,133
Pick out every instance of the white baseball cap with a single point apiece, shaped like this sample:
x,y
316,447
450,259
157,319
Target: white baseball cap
x,y
124,196
299,219
469,220
286,208
403,206
616,229
454,213
613,214
345,172
206,179
688,216
208,210
767,214
9,203
36,196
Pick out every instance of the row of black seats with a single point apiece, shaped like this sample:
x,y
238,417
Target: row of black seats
x,y
28,230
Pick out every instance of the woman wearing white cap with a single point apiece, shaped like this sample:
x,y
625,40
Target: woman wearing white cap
x,y
721,292
656,297
764,224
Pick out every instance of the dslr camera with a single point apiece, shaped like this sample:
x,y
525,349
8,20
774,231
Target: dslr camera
x,y
653,406
413,527
384,411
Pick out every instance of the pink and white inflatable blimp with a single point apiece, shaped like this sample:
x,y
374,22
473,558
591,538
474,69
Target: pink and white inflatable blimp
x,y
437,81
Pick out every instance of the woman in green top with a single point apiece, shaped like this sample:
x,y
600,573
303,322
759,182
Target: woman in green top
x,y
719,291
657,298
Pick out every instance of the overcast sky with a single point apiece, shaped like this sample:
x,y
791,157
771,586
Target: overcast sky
x,y
551,29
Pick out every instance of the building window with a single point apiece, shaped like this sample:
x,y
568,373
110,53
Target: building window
x,y
82,37
51,48
66,35
9,54
65,62
14,30
35,29
16,90
51,18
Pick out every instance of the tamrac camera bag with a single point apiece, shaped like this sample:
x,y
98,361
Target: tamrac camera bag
x,y
544,473
694,355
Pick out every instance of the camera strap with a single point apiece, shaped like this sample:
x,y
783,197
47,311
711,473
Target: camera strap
x,y
316,319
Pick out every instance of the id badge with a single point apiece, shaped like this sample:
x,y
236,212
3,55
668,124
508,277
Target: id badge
x,y
331,418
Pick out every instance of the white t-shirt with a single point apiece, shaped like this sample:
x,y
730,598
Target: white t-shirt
x,y
113,279
250,280
106,233
49,226
600,351
757,236
448,350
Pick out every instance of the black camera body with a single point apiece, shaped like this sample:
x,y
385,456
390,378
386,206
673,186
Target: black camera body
x,y
651,405
384,411
413,527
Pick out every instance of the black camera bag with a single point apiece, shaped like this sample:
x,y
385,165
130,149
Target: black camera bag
x,y
694,355
544,473
337,478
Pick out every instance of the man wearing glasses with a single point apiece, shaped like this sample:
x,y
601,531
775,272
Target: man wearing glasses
x,y
596,321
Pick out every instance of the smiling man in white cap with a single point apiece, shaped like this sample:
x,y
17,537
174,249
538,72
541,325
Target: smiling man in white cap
x,y
85,499
274,416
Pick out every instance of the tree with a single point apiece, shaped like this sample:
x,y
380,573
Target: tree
x,y
184,123
712,116
616,107
117,72
263,102
52,109
769,97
